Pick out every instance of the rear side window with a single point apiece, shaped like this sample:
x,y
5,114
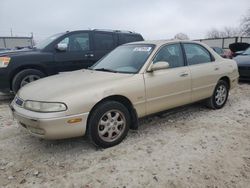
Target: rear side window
x,y
104,41
196,54
172,54
126,38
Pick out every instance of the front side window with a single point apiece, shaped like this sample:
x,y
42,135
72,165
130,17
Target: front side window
x,y
196,54
172,54
103,41
76,42
125,59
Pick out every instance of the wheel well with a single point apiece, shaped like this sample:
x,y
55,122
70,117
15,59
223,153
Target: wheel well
x,y
227,80
126,102
16,71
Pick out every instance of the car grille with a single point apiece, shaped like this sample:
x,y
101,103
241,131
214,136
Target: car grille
x,y
19,101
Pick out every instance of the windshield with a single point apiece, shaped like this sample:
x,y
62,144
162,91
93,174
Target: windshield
x,y
125,59
247,52
47,41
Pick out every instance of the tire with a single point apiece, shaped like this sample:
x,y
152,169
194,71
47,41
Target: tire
x,y
109,124
25,76
220,95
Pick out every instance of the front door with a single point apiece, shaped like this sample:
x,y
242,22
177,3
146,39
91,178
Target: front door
x,y
77,55
170,87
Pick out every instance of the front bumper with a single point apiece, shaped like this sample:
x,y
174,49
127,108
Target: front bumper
x,y
50,128
4,81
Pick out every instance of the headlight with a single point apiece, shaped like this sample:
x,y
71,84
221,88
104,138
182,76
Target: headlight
x,y
4,61
44,106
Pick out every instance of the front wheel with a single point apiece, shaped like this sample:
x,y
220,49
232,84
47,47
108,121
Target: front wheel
x,y
24,77
109,124
220,95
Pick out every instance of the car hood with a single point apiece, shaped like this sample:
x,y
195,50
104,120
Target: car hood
x,y
22,52
64,86
242,59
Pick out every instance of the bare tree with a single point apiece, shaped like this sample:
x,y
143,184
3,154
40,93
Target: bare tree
x,y
245,24
181,36
226,32
213,34
230,32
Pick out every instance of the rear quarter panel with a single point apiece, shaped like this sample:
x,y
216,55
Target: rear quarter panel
x,y
229,69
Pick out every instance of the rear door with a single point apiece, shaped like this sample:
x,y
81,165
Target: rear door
x,y
79,53
104,42
170,87
204,70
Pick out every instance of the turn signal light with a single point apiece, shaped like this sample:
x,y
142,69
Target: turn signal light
x,y
75,120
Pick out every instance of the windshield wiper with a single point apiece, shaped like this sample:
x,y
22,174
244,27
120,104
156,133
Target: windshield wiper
x,y
104,69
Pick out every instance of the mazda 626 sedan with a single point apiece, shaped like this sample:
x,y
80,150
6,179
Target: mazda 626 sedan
x,y
134,80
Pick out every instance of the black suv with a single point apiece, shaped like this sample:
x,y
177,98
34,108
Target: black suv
x,y
61,52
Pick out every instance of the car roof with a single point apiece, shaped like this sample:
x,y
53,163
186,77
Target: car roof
x,y
162,42
107,31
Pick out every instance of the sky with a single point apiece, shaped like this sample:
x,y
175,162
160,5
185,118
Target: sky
x,y
154,19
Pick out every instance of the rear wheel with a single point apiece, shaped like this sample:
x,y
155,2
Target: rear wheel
x,y
220,95
24,77
109,124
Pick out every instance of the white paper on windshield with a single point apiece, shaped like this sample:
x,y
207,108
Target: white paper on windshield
x,y
142,49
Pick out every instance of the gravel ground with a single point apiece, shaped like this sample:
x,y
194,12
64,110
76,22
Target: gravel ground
x,y
189,147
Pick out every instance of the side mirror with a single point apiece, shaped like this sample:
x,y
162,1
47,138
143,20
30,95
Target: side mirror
x,y
159,66
62,47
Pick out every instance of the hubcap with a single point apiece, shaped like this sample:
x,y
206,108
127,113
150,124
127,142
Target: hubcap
x,y
111,125
220,95
28,79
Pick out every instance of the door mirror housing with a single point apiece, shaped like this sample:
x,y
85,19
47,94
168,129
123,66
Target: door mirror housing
x,y
62,47
158,66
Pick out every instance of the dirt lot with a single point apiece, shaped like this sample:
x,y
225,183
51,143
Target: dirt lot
x,y
194,147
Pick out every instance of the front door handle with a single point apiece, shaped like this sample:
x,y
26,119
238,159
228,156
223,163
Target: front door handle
x,y
216,68
89,55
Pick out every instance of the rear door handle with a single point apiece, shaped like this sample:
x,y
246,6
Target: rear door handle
x,y
184,74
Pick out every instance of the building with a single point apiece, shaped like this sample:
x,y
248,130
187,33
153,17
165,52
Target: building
x,y
15,42
224,42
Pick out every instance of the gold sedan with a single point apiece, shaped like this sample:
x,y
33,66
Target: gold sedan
x,y
133,81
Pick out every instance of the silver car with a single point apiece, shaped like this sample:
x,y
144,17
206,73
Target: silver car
x,y
133,81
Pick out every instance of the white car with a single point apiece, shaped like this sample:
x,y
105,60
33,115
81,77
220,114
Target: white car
x,y
132,81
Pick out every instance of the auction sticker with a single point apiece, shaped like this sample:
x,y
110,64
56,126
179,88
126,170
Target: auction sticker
x,y
142,49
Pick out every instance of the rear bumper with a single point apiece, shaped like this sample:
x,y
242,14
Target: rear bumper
x,y
50,128
4,81
244,72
